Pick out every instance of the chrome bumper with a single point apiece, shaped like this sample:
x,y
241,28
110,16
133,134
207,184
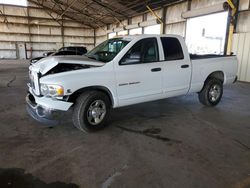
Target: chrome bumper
x,y
50,103
41,114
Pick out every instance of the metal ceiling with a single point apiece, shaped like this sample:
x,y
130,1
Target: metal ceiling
x,y
97,13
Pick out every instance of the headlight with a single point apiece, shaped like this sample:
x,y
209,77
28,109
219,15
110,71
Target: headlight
x,y
52,90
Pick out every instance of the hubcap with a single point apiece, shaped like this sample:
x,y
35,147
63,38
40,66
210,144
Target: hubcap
x,y
96,112
214,93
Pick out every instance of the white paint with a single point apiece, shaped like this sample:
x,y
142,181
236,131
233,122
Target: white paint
x,y
172,80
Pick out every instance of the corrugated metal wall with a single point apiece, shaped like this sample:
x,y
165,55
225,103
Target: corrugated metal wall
x,y
175,24
34,28
241,47
241,42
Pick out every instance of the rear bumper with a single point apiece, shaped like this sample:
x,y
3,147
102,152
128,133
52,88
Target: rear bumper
x,y
42,114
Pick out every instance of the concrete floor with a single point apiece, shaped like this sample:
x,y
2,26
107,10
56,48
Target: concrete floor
x,y
170,143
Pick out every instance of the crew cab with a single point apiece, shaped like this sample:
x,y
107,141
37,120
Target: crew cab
x,y
124,71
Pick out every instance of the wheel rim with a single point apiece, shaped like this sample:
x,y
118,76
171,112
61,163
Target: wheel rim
x,y
214,93
96,112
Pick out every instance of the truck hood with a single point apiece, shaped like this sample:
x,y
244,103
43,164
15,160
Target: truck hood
x,y
48,63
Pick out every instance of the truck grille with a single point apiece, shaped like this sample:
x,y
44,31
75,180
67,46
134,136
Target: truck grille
x,y
34,82
31,80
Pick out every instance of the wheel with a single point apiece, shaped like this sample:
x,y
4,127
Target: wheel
x,y
91,111
211,93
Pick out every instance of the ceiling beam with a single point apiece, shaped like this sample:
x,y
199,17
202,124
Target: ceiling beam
x,y
52,10
111,10
96,21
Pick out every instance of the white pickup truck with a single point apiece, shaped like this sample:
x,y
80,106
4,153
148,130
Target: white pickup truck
x,y
124,71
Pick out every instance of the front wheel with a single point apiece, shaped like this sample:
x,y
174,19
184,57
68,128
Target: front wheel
x,y
91,111
211,93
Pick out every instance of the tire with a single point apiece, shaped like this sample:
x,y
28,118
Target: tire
x,y
211,93
91,111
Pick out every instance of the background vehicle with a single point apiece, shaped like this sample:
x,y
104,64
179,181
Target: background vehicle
x,y
70,50
78,49
125,71
45,54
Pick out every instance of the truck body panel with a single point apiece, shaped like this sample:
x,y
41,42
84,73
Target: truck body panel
x,y
130,83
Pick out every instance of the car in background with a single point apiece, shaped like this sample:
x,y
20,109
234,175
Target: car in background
x,y
69,50
78,49
45,54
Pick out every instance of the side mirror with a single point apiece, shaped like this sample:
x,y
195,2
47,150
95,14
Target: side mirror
x,y
132,58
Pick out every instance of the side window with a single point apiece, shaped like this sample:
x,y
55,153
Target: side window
x,y
144,51
150,51
172,48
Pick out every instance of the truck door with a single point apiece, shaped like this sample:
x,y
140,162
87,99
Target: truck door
x,y
139,73
177,67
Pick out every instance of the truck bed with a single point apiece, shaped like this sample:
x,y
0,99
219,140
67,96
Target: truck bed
x,y
206,56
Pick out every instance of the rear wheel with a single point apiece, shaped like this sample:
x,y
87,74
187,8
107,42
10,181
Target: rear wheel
x,y
91,111
211,93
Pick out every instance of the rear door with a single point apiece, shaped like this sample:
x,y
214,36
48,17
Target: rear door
x,y
139,73
177,67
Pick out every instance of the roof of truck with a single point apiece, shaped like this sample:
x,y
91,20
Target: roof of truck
x,y
131,37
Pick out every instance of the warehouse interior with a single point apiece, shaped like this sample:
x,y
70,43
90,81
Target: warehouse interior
x,y
28,31
169,143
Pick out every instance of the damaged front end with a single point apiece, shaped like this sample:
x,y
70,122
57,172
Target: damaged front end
x,y
65,67
46,105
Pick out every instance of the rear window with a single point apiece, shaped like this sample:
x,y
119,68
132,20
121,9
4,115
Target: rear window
x,y
172,48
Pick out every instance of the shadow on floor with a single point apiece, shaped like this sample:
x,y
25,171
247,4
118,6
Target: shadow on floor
x,y
17,178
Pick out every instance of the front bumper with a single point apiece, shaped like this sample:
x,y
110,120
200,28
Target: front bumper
x,y
44,109
40,113
50,103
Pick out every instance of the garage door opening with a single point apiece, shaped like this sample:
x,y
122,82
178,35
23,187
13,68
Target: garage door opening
x,y
207,34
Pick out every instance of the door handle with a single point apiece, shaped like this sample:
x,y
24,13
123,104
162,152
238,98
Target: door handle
x,y
155,69
184,66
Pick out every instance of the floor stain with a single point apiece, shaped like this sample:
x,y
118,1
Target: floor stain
x,y
17,178
242,144
12,80
153,133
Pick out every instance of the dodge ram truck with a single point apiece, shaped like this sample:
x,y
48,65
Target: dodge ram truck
x,y
124,71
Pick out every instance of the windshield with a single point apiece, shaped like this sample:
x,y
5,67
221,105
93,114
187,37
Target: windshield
x,y
107,50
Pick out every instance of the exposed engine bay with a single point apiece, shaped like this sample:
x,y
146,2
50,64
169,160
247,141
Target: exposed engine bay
x,y
65,67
